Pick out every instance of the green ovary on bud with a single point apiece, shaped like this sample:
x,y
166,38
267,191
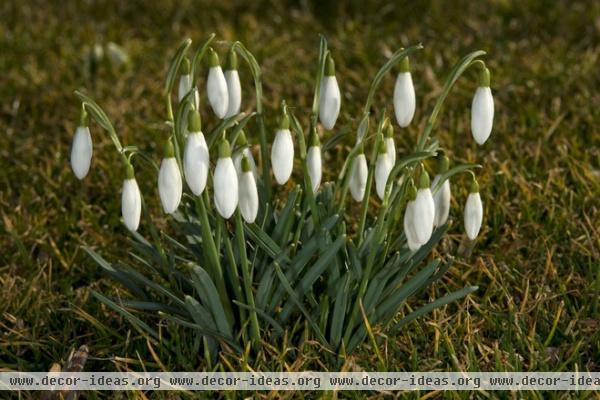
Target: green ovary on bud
x,y
484,77
329,66
246,167
224,149
284,122
242,140
83,117
194,122
213,58
405,65
169,151
389,142
424,179
474,185
232,61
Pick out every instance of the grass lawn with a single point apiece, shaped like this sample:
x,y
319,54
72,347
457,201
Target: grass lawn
x,y
536,261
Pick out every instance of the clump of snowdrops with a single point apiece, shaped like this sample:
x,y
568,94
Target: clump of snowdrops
x,y
254,260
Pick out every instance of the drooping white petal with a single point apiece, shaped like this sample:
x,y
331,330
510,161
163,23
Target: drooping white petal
x,y
169,184
404,99
473,215
441,199
358,180
382,172
131,204
282,156
391,150
482,114
234,90
313,162
237,161
185,85
330,101
216,88
81,152
196,162
226,187
423,215
248,197
409,228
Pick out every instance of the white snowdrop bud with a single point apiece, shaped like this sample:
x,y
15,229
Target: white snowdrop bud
x,y
242,142
225,182
404,95
234,88
482,109
473,211
441,198
313,161
169,181
360,173
330,97
247,192
409,220
382,169
389,143
282,152
185,79
131,201
195,155
216,86
185,83
424,210
81,152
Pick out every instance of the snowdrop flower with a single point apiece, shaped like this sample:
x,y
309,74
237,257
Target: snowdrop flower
x,y
81,152
441,198
216,86
248,195
382,168
389,143
242,142
234,88
185,83
195,155
169,181
225,182
313,161
424,212
473,211
330,97
404,95
409,220
360,172
282,152
131,201
482,109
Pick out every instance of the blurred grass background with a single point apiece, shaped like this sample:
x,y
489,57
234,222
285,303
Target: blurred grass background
x,y
537,259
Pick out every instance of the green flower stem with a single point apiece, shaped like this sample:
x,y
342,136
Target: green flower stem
x,y
319,77
210,249
247,278
365,202
232,271
307,183
457,71
198,56
264,151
